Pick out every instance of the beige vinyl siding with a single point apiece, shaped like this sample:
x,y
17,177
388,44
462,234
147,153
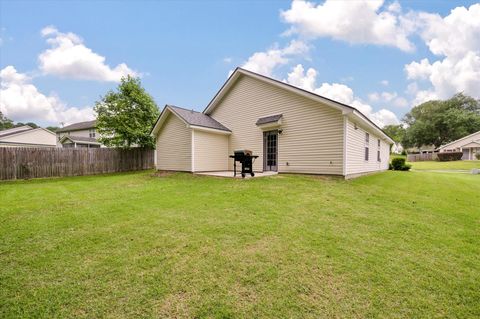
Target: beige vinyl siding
x,y
210,151
79,133
174,145
355,151
312,139
37,136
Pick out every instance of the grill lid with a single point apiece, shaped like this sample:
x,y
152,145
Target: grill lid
x,y
243,152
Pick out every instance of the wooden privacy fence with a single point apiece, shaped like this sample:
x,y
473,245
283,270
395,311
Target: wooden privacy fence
x,y
23,163
422,157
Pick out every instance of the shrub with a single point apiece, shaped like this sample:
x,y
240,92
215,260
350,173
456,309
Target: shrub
x,y
478,156
390,167
398,164
449,156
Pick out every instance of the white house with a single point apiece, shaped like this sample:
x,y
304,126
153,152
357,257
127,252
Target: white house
x,y
26,136
290,129
469,145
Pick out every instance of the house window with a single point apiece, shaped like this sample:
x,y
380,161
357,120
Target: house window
x,y
367,140
92,133
378,152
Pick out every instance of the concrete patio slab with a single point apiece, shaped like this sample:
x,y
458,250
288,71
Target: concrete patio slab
x,y
229,174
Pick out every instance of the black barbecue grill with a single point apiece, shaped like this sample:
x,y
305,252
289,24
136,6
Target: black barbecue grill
x,y
246,158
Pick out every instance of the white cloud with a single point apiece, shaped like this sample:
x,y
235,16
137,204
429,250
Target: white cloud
x,y
21,101
384,82
374,97
420,70
303,80
69,57
265,62
453,35
400,102
390,98
357,22
338,92
456,38
227,60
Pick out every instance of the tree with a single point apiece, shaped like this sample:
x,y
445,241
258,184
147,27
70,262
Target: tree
x,y
31,124
126,117
439,122
5,123
52,128
396,132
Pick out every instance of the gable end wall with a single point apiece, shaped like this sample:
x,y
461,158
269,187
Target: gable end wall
x,y
312,138
174,145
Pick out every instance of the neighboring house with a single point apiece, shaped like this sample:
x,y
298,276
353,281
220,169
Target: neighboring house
x,y
290,129
397,148
468,145
26,136
82,134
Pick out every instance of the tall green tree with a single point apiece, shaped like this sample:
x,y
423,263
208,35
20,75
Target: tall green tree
x,y
31,124
439,122
52,128
5,123
125,117
396,132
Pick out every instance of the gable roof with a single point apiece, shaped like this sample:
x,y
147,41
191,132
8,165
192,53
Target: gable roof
x,y
472,144
346,109
198,119
78,126
460,139
191,118
80,140
15,130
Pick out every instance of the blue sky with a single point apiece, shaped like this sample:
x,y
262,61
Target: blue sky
x,y
184,51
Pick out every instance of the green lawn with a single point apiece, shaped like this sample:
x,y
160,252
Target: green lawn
x,y
391,245
455,165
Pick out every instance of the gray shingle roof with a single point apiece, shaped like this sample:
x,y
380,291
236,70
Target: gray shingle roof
x,y
81,139
269,119
15,130
78,126
197,118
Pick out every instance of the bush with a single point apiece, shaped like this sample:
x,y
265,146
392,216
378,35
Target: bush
x,y
449,156
398,164
478,156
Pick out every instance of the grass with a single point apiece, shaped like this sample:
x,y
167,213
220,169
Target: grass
x,y
454,165
391,245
